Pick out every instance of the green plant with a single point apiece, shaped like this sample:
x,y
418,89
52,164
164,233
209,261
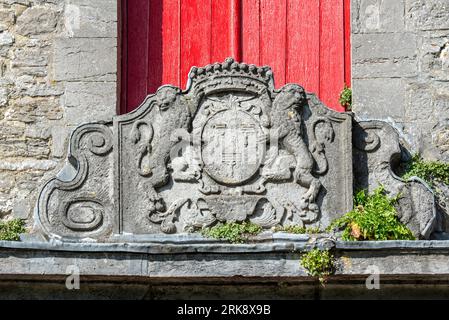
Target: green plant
x,y
11,230
299,229
318,263
430,171
374,217
233,232
346,98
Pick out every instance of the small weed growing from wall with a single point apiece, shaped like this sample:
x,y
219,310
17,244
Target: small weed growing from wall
x,y
374,217
430,171
11,230
318,263
299,230
346,98
233,232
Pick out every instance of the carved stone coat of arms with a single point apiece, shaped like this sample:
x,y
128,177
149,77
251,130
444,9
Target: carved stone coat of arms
x,y
229,148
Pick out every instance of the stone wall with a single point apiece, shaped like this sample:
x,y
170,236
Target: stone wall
x,y
400,67
57,69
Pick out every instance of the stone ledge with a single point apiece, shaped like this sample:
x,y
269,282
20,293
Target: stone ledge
x,y
264,270
278,260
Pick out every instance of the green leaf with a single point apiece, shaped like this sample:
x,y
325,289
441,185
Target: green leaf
x,y
233,232
375,217
11,230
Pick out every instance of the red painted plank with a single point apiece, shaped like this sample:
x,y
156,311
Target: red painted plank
x,y
171,33
220,45
137,57
303,44
251,31
331,53
236,29
122,56
195,35
347,17
226,30
154,46
273,40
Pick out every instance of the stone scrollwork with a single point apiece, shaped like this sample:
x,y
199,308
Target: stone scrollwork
x,y
377,153
79,205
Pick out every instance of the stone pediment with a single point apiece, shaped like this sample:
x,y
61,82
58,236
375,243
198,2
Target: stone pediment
x,y
229,148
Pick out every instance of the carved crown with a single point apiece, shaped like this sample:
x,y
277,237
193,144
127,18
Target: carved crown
x,y
230,75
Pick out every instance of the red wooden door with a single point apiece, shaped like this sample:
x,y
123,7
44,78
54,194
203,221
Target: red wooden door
x,y
304,41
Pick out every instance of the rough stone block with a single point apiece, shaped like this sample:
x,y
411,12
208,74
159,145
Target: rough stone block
x,y
440,139
91,95
31,61
59,136
13,147
21,208
384,45
434,55
27,87
85,18
6,19
384,68
22,2
427,14
30,57
11,129
85,59
3,96
7,181
419,106
32,109
6,39
37,20
379,98
380,16
90,101
38,132
27,164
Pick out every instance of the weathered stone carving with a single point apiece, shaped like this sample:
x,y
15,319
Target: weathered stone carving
x,y
78,204
229,148
376,153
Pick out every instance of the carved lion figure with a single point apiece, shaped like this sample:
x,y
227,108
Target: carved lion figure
x,y
156,146
286,122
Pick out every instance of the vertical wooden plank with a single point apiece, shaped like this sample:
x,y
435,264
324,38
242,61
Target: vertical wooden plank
x,y
331,53
348,64
122,56
137,57
221,30
226,30
251,31
171,42
303,44
274,37
155,60
236,31
195,35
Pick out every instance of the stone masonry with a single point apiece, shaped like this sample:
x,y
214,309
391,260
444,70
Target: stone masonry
x,y
400,68
57,70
